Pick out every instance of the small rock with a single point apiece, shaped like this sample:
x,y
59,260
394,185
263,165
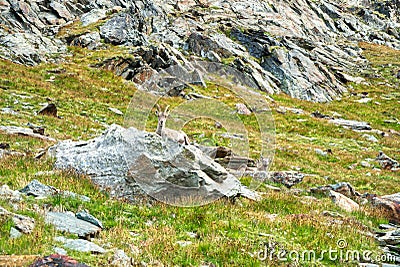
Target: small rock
x,y
10,153
273,188
386,162
287,178
192,234
364,100
4,212
242,109
24,224
93,16
14,233
37,189
354,125
56,71
365,164
293,110
84,215
68,223
116,111
8,194
49,110
184,243
82,246
370,138
120,259
344,202
321,152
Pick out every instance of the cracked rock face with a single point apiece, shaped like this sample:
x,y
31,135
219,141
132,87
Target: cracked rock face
x,y
130,162
302,48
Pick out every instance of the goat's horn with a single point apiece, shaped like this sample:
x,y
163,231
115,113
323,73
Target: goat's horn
x,y
166,109
158,108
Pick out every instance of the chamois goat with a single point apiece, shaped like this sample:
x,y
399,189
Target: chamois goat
x,y
178,136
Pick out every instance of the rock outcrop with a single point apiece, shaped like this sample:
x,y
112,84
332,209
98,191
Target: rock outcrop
x,y
130,163
302,48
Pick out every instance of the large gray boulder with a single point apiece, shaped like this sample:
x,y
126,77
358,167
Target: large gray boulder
x,y
123,29
130,163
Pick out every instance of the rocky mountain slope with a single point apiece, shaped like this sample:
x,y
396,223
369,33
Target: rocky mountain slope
x,y
335,178
303,48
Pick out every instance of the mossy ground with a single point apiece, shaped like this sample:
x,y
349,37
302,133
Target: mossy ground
x,y
227,233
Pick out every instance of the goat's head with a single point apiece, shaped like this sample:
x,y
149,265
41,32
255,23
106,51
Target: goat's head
x,y
162,115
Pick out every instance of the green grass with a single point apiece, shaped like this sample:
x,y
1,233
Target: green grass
x,y
227,233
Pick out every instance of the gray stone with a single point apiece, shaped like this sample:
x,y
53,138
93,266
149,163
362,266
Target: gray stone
x,y
14,130
84,215
365,164
120,156
23,224
14,233
67,223
242,109
321,152
89,40
8,194
370,138
354,125
116,111
81,245
75,195
37,189
60,251
93,16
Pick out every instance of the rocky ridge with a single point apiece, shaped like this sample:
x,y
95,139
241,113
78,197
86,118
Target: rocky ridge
x,y
302,48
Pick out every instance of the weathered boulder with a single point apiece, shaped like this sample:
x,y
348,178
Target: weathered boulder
x,y
130,162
